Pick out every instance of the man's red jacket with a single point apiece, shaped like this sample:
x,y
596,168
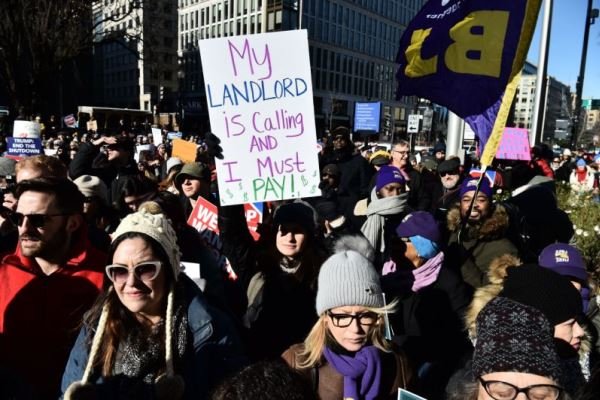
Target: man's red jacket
x,y
40,315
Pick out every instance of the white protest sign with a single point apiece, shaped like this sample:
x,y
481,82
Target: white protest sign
x,y
260,103
157,136
26,129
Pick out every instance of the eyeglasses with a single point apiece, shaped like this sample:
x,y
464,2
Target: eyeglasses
x,y
146,271
344,320
499,390
402,153
443,174
35,220
339,138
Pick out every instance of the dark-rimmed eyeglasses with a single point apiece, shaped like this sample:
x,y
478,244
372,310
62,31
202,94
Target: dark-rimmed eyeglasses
x,y
344,320
145,271
500,390
339,137
443,174
35,220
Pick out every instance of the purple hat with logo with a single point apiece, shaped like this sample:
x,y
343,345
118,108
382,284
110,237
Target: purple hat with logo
x,y
419,223
565,260
388,174
470,184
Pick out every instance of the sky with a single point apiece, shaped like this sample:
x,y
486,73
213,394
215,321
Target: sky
x,y
566,40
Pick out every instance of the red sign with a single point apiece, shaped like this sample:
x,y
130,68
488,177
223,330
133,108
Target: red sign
x,y
204,218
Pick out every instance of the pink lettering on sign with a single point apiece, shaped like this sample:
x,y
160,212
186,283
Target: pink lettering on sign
x,y
249,55
514,145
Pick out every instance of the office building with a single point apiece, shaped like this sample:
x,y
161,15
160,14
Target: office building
x,y
352,44
557,104
136,60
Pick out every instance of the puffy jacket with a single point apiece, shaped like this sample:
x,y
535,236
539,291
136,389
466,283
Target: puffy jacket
x,y
214,352
479,246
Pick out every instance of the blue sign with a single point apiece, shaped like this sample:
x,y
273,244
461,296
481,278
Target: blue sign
x,y
23,147
174,135
367,116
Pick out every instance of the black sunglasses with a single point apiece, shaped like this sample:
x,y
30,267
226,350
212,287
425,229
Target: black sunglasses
x,y
35,220
443,174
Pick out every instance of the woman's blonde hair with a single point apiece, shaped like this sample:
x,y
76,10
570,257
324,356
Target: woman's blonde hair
x,y
319,337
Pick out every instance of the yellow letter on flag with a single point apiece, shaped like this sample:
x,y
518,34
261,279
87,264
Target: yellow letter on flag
x,y
489,43
416,65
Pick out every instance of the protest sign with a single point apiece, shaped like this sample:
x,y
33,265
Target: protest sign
x,y
254,214
70,121
174,135
514,145
260,102
23,147
26,129
157,136
204,218
139,148
404,394
92,125
184,150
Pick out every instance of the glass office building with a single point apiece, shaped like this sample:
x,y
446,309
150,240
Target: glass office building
x,y
353,46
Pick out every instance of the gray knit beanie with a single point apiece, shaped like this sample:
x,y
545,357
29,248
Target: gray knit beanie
x,y
347,278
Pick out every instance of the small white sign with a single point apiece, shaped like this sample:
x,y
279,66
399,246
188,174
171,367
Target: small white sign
x,y
413,123
26,129
157,136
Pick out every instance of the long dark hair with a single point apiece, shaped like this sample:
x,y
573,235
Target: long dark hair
x,y
120,321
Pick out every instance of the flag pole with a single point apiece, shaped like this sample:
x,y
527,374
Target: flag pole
x,y
539,108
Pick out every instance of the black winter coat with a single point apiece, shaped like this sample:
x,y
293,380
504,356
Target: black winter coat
x,y
428,326
286,303
89,161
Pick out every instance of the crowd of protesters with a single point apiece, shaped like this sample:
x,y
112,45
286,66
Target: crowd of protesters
x,y
405,273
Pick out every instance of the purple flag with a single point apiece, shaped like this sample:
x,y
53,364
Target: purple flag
x,y
462,53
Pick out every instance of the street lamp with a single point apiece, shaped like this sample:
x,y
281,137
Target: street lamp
x,y
590,18
180,107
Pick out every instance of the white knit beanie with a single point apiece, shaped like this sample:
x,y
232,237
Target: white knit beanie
x,y
90,186
348,278
158,227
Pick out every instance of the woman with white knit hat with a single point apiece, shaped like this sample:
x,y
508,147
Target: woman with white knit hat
x,y
346,354
151,335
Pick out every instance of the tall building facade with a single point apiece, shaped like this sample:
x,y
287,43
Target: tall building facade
x,y
557,102
352,45
136,58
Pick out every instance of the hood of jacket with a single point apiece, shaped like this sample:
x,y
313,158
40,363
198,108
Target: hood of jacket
x,y
492,228
484,294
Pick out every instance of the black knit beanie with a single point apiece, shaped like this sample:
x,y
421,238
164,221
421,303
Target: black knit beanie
x,y
551,293
514,337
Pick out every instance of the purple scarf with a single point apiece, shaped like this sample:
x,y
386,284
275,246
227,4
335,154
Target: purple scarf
x,y
364,369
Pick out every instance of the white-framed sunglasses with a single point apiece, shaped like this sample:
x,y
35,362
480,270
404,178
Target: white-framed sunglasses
x,y
145,271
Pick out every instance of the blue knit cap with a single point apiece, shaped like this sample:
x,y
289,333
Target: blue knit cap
x,y
581,162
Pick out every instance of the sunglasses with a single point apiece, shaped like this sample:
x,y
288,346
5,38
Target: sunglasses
x,y
35,220
443,174
145,271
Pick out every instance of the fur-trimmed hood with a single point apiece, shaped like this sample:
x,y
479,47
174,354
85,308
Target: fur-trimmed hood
x,y
492,228
483,295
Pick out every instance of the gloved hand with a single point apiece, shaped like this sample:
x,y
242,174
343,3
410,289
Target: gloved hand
x,y
213,146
